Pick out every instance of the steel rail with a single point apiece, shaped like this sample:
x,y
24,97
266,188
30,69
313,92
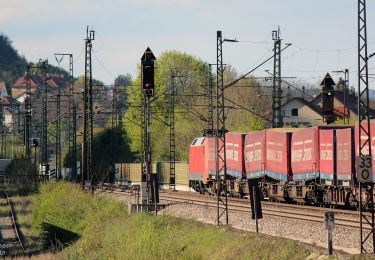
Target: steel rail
x,y
14,223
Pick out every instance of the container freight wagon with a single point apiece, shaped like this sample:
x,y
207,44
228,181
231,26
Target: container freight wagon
x,y
305,154
278,169
278,165
327,150
365,149
255,154
345,156
235,154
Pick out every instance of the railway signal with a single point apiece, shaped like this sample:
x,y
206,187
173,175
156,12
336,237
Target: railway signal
x,y
328,99
148,85
148,82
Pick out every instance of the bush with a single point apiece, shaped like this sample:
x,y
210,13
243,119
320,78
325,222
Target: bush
x,y
64,206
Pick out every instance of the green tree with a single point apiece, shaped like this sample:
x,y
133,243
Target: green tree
x,y
191,104
188,125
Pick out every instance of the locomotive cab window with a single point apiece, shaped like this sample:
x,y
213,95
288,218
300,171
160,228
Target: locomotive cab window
x,y
294,111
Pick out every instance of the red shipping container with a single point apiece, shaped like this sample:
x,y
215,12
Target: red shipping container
x,y
234,154
278,159
255,154
365,149
327,163
305,154
345,154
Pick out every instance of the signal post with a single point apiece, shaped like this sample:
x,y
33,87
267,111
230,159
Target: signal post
x,y
149,187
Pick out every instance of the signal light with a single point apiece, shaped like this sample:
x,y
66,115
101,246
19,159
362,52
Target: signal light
x,y
148,76
35,142
328,99
148,92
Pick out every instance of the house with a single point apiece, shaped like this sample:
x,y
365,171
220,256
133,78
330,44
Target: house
x,y
3,89
10,110
339,99
299,112
8,107
53,82
20,85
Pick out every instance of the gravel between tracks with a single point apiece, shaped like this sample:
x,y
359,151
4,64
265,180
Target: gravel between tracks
x,y
345,239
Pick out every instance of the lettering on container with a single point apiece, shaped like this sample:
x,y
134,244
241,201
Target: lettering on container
x,y
326,152
343,151
232,155
255,154
301,154
272,153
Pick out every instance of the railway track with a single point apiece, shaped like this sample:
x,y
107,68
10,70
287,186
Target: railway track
x,y
10,241
343,218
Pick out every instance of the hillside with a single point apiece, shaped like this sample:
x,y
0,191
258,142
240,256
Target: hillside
x,y
11,63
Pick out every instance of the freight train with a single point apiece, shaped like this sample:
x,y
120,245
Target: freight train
x,y
313,165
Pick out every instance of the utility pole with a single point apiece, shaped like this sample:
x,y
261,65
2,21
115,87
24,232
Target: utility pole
x,y
73,141
366,187
58,132
345,94
71,136
87,111
221,166
114,131
172,132
44,149
277,117
210,98
3,133
27,124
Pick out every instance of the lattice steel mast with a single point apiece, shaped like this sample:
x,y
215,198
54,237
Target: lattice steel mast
x,y
277,117
87,111
172,135
364,128
221,167
44,125
27,127
210,117
346,92
172,132
58,134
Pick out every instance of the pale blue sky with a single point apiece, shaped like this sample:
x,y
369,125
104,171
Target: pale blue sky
x,y
323,32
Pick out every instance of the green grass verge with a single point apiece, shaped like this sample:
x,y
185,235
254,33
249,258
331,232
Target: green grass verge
x,y
105,231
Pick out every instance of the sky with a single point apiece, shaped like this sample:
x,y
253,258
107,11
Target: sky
x,y
323,33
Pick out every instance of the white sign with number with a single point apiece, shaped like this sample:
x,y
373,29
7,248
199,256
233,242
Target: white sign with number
x,y
364,173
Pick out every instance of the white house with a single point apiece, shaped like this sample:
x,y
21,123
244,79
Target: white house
x,y
298,112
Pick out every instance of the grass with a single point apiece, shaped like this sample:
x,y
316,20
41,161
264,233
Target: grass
x,y
105,231
92,227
